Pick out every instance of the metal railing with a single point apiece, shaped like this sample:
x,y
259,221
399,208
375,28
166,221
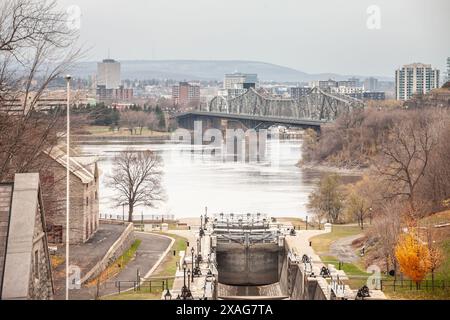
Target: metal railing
x,y
411,285
138,217
153,285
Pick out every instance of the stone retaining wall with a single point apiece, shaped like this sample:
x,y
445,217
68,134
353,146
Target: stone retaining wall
x,y
122,244
294,284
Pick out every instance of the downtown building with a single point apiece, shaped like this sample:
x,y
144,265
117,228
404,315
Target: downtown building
x,y
109,85
415,79
297,92
371,84
185,94
236,84
108,74
448,69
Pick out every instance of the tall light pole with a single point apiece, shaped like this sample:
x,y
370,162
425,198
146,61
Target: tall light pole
x,y
68,78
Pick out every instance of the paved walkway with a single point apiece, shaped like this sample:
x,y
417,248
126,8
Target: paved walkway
x,y
151,249
300,243
88,254
343,250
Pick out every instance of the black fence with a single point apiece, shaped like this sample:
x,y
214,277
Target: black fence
x,y
153,285
412,285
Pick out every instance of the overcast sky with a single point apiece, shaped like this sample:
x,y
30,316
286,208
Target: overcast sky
x,y
312,36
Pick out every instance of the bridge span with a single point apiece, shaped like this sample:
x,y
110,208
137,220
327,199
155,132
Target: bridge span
x,y
258,109
215,119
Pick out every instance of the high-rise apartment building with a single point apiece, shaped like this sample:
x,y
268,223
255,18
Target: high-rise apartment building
x,y
371,84
108,74
186,93
448,69
416,78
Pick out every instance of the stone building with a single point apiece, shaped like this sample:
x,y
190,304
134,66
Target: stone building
x,y
25,268
84,193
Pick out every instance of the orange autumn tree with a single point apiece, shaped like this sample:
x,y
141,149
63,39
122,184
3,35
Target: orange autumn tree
x,y
413,257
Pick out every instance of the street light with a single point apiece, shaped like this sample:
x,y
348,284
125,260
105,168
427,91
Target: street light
x,y
168,295
189,277
68,78
192,251
184,290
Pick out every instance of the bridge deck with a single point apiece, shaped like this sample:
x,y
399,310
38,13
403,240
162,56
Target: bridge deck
x,y
275,120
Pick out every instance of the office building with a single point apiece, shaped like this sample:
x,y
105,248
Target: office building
x,y
240,81
370,95
119,94
297,92
371,84
108,74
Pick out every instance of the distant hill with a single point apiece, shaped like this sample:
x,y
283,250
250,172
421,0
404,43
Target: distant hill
x,y
208,70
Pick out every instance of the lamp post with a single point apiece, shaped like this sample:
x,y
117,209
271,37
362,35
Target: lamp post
x,y
192,252
202,231
123,211
306,222
168,295
184,289
68,78
198,258
189,279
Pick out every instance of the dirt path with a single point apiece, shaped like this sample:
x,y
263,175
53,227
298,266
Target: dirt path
x,y
342,249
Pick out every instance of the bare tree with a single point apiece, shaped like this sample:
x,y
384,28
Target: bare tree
x,y
327,199
406,157
137,179
385,230
36,47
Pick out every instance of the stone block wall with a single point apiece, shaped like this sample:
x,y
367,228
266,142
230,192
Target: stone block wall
x,y
84,203
40,281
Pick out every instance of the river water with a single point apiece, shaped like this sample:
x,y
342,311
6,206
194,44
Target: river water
x,y
195,180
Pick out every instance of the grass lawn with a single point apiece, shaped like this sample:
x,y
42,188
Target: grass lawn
x,y
358,276
425,293
106,131
321,244
117,265
167,268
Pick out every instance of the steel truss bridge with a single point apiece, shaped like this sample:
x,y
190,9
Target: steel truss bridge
x,y
255,109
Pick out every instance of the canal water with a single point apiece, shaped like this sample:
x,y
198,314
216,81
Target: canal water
x,y
196,179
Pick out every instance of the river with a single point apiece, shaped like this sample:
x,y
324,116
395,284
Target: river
x,y
194,180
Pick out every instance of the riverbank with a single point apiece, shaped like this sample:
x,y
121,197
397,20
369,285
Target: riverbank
x,y
332,169
105,134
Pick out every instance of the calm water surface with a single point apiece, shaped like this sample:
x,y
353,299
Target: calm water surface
x,y
195,180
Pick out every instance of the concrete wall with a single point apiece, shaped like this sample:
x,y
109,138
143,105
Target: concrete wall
x,y
117,249
294,284
257,265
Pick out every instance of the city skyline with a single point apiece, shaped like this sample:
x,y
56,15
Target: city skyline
x,y
335,41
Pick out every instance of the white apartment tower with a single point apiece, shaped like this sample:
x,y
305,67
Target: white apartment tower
x,y
416,78
448,69
108,74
